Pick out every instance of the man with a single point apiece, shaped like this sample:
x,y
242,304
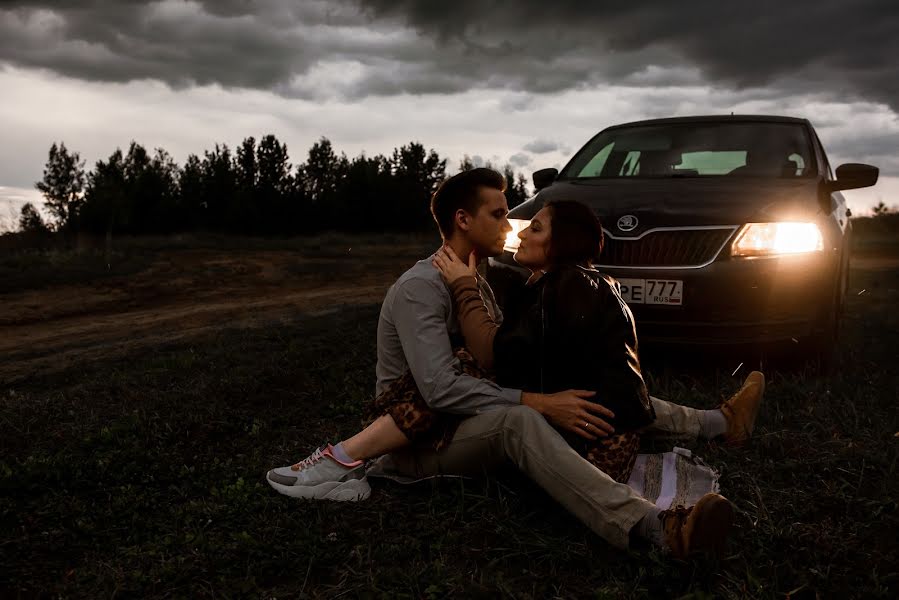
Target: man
x,y
415,327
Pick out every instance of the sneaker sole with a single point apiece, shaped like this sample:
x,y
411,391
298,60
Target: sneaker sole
x,y
353,490
711,528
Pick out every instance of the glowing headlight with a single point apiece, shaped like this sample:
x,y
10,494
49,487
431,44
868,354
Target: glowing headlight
x,y
512,240
766,239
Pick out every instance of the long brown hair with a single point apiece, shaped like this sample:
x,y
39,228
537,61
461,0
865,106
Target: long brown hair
x,y
577,236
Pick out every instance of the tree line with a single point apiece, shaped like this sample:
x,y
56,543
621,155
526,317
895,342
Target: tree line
x,y
254,190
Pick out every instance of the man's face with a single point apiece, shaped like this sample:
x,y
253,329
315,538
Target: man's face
x,y
488,227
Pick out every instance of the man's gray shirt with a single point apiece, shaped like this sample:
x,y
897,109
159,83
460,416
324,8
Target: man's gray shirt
x,y
417,319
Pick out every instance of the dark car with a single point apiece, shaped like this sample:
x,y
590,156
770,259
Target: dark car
x,y
719,229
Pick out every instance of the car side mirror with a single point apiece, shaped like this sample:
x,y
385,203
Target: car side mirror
x,y
853,176
544,178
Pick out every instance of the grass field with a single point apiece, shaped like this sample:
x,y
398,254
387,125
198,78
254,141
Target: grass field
x,y
137,470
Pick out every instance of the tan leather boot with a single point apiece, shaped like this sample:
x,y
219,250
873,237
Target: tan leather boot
x,y
742,408
700,529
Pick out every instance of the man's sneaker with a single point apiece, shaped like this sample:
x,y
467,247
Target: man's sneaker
x,y
321,476
742,408
700,529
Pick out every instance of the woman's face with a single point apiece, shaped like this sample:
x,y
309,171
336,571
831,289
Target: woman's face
x,y
534,248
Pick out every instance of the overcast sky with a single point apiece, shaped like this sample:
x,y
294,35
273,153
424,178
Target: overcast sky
x,y
520,82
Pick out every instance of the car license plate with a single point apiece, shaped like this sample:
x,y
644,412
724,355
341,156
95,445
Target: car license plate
x,y
652,291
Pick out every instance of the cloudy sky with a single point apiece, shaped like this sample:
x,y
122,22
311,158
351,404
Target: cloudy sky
x,y
524,82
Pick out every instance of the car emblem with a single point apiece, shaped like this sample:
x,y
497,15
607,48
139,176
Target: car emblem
x,y
627,223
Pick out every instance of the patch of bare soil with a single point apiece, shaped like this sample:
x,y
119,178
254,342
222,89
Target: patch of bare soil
x,y
181,295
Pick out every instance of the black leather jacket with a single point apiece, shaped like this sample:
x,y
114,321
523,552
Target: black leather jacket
x,y
572,330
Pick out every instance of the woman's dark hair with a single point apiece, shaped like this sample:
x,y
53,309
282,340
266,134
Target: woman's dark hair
x,y
576,236
461,191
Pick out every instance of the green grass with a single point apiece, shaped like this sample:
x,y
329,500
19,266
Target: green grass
x,y
144,477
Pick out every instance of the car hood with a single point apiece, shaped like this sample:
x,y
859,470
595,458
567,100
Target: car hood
x,y
684,202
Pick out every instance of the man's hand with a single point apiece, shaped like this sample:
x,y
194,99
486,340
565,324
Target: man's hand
x,y
451,267
570,411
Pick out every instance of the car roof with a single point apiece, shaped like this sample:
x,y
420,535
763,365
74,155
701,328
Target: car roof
x,y
715,119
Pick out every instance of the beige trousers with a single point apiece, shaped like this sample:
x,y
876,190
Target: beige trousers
x,y
674,421
521,435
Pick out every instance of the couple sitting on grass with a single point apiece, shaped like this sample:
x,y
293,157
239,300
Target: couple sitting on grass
x,y
552,385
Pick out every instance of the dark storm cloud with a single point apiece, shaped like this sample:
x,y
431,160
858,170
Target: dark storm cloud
x,y
847,48
541,146
232,43
873,147
842,49
520,159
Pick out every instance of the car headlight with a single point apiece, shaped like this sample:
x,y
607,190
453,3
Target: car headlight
x,y
512,240
768,239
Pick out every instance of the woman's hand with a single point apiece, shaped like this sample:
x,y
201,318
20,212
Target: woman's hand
x,y
451,268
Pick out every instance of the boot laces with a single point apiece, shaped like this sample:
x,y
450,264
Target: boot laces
x,y
308,461
679,512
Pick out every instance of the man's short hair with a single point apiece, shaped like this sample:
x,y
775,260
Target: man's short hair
x,y
461,191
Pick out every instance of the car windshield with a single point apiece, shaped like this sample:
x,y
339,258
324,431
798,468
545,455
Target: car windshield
x,y
768,150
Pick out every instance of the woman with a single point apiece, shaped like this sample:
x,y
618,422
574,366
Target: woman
x,y
566,328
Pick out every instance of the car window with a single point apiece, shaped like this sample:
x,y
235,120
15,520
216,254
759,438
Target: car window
x,y
593,168
631,164
799,161
712,163
698,149
827,169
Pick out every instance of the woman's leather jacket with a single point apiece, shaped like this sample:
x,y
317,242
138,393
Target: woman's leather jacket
x,y
571,330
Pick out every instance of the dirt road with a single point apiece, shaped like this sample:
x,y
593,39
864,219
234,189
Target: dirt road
x,y
181,295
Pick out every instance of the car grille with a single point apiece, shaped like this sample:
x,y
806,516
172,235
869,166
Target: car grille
x,y
665,248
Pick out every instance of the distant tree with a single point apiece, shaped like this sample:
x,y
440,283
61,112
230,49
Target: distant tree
x,y
151,189
366,194
245,168
219,185
465,164
516,187
523,186
882,209
417,174
274,165
138,198
105,201
242,213
30,220
274,185
164,173
63,185
426,170
320,177
191,191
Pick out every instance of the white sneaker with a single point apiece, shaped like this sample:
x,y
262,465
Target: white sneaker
x,y
321,476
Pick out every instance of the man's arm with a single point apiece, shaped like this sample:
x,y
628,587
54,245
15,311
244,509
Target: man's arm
x,y
419,313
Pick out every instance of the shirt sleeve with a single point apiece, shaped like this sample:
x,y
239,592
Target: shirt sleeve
x,y
474,319
419,314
